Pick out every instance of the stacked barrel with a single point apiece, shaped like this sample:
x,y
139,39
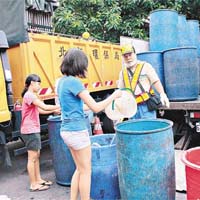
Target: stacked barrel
x,y
175,53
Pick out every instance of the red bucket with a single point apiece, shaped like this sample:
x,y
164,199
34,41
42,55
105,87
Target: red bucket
x,y
191,159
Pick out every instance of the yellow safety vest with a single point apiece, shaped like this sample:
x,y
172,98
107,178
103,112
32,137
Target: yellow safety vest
x,y
132,85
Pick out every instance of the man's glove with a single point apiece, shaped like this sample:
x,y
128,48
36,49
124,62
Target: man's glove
x,y
164,100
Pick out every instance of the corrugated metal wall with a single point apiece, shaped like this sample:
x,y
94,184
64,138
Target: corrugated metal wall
x,y
39,14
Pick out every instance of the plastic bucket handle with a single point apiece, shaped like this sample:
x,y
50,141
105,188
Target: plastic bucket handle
x,y
123,89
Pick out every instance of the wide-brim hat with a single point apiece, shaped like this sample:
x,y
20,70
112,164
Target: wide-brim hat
x,y
123,107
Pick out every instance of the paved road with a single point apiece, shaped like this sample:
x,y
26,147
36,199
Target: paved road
x,y
14,181
15,184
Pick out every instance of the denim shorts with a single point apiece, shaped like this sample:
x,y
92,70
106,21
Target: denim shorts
x,y
32,141
76,139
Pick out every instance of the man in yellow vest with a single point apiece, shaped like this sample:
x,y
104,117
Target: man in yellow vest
x,y
141,78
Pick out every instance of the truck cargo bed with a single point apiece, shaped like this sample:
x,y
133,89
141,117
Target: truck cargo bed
x,y
186,118
184,105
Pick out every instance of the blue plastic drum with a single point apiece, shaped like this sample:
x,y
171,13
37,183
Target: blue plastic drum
x,y
193,34
163,29
145,154
183,34
181,73
104,178
63,163
155,58
104,184
199,72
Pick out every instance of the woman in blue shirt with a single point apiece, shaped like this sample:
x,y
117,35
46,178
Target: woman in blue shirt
x,y
72,96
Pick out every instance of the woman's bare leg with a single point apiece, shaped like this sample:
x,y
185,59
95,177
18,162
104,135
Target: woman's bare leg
x,y
32,157
37,169
75,180
83,164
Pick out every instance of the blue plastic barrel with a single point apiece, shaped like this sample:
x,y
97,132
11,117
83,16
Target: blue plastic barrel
x,y
181,73
145,154
155,58
183,35
163,29
199,72
193,34
104,182
63,163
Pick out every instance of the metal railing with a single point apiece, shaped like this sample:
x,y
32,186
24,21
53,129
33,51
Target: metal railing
x,y
38,20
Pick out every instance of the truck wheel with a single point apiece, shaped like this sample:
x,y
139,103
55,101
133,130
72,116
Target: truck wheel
x,y
108,126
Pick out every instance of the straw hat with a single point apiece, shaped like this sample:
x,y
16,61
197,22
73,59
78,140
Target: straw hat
x,y
123,107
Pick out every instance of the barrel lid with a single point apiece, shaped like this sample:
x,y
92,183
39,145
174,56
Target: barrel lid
x,y
150,52
193,20
143,126
185,47
181,15
52,118
158,10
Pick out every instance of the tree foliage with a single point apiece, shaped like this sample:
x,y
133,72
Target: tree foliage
x,y
190,8
108,19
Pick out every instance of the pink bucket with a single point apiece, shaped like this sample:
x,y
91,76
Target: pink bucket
x,y
191,159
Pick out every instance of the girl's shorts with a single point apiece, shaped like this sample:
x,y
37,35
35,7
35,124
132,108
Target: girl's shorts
x,y
32,141
76,139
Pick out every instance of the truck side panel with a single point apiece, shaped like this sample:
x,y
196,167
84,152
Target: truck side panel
x,y
43,56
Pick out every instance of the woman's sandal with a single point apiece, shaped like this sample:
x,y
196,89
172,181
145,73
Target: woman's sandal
x,y
47,183
41,188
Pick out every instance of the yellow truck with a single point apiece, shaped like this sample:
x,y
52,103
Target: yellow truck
x,y
23,51
43,55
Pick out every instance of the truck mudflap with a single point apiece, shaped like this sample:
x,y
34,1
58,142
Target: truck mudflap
x,y
4,153
2,138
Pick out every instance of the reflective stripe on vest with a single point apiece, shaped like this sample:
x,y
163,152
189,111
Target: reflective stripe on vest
x,y
143,96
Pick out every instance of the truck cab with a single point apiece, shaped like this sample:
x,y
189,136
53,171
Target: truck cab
x,y
5,78
6,100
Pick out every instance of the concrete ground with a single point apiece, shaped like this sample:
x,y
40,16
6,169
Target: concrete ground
x,y
14,183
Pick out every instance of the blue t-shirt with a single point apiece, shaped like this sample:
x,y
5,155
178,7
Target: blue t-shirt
x,y
73,118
